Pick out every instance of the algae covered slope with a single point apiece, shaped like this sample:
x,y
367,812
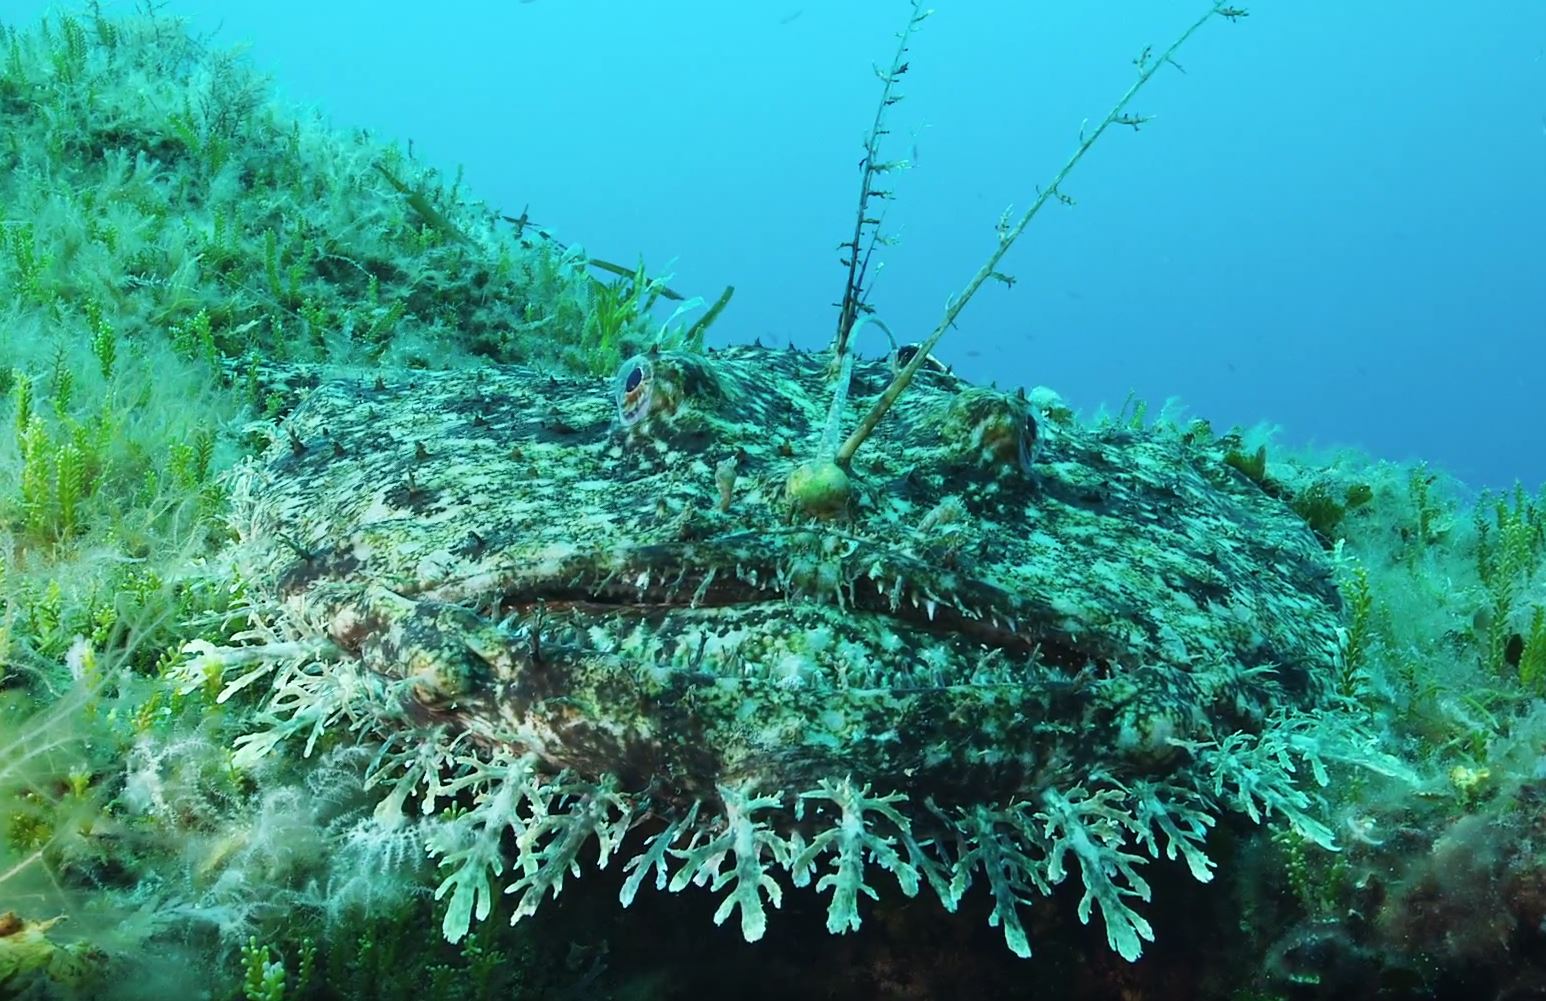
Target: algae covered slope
x,y
149,174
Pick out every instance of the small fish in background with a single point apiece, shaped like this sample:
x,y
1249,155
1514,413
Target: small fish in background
x,y
916,135
791,17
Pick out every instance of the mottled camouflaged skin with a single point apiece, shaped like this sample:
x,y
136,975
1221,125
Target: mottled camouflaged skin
x,y
560,583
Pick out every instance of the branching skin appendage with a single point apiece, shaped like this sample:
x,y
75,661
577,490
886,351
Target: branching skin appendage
x,y
1148,66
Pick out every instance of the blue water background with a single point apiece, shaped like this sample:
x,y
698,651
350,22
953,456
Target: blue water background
x,y
1336,221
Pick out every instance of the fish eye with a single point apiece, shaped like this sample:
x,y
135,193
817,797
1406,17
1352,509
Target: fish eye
x,y
994,428
633,390
652,387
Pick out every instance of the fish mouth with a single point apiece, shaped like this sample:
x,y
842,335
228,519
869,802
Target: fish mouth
x,y
672,665
654,581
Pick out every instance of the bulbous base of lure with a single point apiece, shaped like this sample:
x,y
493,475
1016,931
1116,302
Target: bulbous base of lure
x,y
818,489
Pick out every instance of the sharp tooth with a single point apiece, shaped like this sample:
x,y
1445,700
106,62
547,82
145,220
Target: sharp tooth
x,y
703,588
929,604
